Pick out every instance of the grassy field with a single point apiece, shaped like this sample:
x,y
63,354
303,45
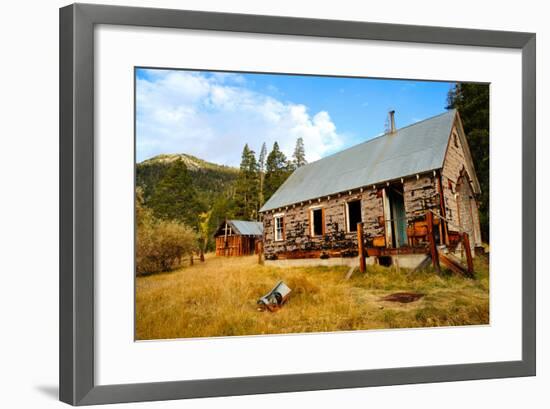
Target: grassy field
x,y
218,298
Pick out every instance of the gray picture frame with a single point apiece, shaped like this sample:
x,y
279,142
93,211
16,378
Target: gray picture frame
x,y
76,281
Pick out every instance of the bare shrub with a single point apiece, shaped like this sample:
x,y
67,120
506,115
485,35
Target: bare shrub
x,y
161,246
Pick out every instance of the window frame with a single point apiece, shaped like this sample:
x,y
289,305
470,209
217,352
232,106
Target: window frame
x,y
348,219
312,221
277,217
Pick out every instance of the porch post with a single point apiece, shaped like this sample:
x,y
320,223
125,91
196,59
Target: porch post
x,y
361,247
433,248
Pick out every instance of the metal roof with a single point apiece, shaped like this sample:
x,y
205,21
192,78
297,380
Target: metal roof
x,y
413,149
247,228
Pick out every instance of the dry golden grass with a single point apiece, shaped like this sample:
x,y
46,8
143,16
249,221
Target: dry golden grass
x,y
218,298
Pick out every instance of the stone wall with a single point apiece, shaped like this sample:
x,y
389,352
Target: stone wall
x,y
419,194
455,164
468,213
337,238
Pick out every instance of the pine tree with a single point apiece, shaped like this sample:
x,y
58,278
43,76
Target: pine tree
x,y
175,198
299,155
277,171
246,187
472,102
261,170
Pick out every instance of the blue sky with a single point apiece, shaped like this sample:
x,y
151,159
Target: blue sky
x,y
212,115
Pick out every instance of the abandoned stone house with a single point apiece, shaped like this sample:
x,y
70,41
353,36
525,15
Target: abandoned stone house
x,y
387,185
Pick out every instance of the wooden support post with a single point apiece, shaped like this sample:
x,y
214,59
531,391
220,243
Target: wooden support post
x,y
468,250
260,252
445,226
361,247
433,248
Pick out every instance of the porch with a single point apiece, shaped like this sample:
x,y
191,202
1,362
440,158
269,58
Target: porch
x,y
427,237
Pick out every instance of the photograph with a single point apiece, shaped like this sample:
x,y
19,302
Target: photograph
x,y
276,203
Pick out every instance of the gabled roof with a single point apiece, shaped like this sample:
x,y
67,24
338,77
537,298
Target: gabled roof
x,y
413,149
242,227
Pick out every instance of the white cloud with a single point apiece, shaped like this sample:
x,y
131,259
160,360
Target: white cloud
x,y
213,116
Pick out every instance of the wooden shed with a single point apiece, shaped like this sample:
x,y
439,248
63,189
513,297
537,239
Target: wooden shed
x,y
238,237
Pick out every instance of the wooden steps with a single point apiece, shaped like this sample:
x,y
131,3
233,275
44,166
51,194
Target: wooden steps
x,y
423,264
454,264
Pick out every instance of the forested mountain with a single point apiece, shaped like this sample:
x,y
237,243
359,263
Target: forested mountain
x,y
208,179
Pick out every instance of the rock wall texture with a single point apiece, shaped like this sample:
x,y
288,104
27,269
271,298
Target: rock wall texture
x,y
461,206
419,194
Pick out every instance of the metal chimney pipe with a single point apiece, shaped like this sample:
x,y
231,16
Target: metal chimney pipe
x,y
392,121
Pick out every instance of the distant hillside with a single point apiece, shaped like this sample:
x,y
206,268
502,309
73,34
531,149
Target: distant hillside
x,y
209,179
192,162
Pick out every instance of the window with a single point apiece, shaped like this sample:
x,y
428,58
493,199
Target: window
x,y
279,228
317,222
354,214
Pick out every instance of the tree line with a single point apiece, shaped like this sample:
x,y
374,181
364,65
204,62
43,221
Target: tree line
x,y
174,219
259,178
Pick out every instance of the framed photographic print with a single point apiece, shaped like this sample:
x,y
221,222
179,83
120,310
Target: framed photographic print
x,y
349,204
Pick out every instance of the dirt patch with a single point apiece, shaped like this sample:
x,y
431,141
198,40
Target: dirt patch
x,y
402,297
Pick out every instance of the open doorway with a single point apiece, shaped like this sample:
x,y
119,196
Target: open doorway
x,y
395,216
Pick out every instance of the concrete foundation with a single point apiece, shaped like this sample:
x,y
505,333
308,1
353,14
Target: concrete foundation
x,y
408,260
313,262
404,261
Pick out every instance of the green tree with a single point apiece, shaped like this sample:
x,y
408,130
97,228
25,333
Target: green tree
x,y
277,170
247,186
299,155
175,198
472,102
261,170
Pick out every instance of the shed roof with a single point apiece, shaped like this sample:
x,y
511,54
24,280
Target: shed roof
x,y
243,227
413,149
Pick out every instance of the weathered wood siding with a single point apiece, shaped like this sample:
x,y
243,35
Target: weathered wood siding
x,y
455,163
235,245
